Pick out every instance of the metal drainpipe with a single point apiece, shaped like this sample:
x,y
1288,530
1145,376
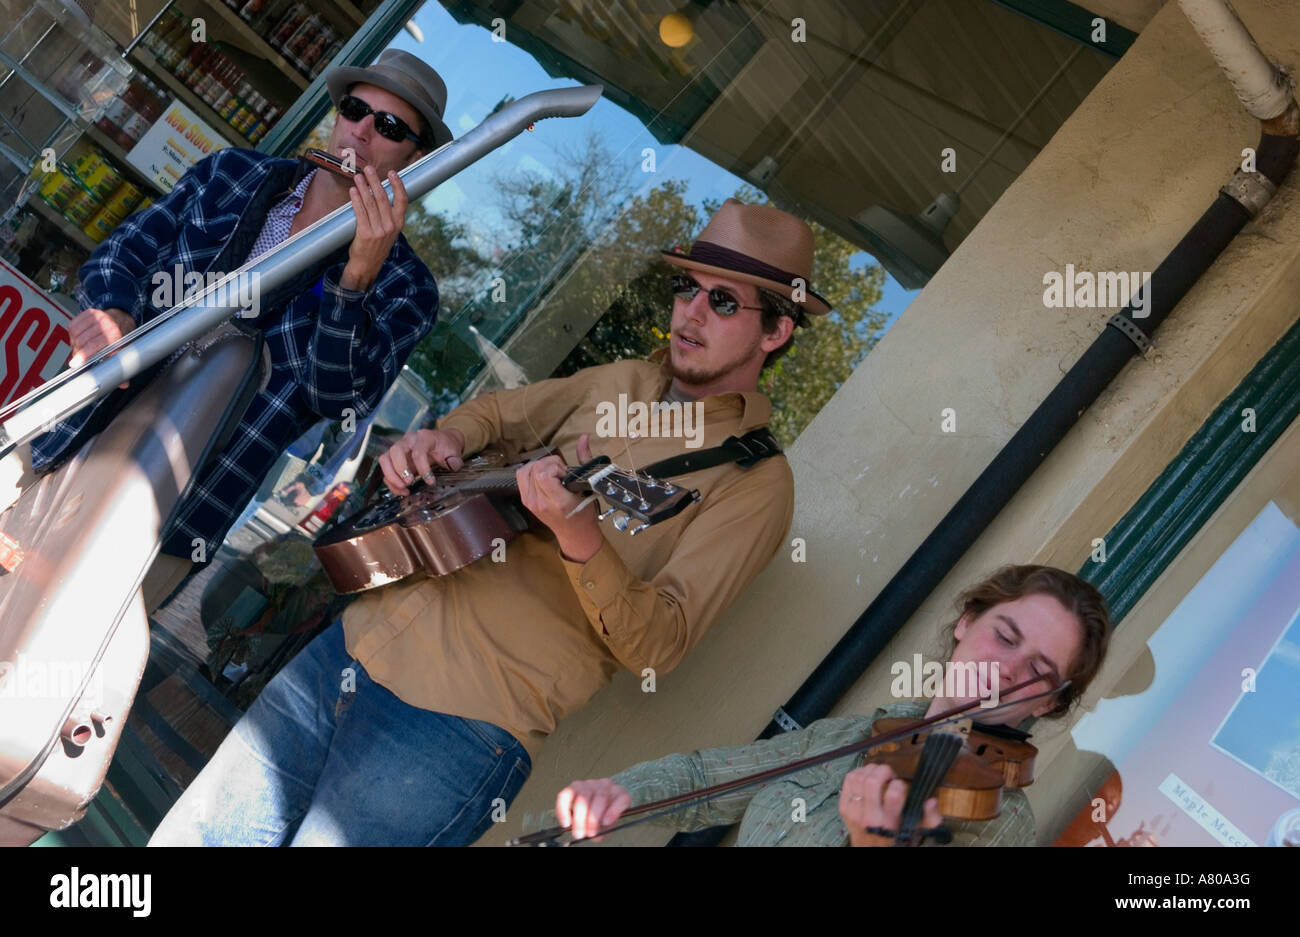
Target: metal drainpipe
x,y
1265,91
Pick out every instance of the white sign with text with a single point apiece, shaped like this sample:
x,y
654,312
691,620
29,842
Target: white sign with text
x,y
176,141
1196,807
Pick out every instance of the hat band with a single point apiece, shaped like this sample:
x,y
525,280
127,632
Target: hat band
x,y
716,255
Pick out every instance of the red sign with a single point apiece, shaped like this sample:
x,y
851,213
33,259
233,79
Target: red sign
x,y
34,342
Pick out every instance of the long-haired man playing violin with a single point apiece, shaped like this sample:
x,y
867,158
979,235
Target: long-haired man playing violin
x,y
1031,621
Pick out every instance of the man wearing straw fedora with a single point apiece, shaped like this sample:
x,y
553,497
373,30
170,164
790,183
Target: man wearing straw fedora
x,y
451,685
337,334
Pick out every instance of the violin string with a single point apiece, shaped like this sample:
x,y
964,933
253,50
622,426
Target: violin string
x,y
926,781
937,756
1026,699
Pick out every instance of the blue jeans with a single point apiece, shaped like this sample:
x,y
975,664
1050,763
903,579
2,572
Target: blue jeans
x,y
316,763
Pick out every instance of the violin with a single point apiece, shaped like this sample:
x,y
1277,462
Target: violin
x,y
968,766
965,767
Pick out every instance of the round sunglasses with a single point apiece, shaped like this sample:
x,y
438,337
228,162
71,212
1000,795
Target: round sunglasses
x,y
389,126
720,301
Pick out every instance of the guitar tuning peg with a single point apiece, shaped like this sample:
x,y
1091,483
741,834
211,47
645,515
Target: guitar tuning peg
x,y
601,517
668,488
645,505
621,522
627,497
636,530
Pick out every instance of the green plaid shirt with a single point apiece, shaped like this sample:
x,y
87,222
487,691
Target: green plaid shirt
x,y
767,812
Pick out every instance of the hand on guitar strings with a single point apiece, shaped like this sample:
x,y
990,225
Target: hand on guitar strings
x,y
415,455
541,489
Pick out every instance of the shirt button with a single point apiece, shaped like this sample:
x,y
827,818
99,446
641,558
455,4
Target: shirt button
x,y
590,585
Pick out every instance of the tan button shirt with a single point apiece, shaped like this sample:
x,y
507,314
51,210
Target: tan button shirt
x,y
523,643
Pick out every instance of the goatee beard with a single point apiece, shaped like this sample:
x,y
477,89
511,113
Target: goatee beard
x,y
690,377
698,377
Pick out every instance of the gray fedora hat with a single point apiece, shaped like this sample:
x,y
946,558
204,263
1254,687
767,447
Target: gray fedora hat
x,y
412,80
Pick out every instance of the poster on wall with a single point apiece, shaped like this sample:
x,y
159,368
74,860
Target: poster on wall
x,y
176,141
1200,743
1262,731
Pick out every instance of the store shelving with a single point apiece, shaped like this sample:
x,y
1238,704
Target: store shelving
x,y
354,16
260,46
118,154
187,97
66,227
68,116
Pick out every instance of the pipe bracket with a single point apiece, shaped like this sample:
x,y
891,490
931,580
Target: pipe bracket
x,y
1251,190
783,719
1134,334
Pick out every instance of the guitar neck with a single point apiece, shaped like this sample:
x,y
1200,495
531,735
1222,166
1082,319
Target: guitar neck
x,y
503,482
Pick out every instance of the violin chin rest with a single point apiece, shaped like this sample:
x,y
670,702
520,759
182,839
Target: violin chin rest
x,y
941,835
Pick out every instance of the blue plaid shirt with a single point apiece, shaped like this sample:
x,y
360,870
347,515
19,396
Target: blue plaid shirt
x,y
332,350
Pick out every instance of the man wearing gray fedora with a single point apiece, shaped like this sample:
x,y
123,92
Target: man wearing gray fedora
x,y
337,333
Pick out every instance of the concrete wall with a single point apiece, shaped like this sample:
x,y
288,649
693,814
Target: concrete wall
x,y
1114,190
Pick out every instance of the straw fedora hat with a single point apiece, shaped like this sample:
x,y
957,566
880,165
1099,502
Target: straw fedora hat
x,y
756,244
412,80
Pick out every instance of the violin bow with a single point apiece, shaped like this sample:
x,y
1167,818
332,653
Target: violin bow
x,y
655,809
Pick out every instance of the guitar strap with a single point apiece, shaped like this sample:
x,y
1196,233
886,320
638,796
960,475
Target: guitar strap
x,y
745,451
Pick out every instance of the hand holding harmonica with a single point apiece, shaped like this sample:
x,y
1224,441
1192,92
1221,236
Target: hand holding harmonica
x,y
378,221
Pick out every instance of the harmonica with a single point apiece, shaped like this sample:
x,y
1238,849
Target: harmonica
x,y
331,162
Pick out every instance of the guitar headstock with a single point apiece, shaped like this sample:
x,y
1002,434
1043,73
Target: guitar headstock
x,y
638,496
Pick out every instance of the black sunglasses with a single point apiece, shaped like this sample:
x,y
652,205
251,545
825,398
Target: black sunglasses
x,y
720,301
389,126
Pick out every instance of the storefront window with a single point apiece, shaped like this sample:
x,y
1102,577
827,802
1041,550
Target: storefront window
x,y
546,249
